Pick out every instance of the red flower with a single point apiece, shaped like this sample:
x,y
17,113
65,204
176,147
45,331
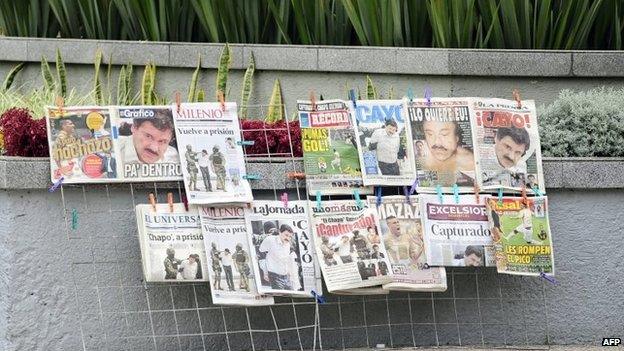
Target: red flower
x,y
23,136
273,139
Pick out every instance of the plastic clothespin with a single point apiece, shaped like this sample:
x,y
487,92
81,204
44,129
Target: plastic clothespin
x,y
221,99
525,199
56,185
406,192
516,95
152,201
318,200
295,175
414,186
500,196
317,297
170,201
251,177
74,219
60,104
550,279
284,199
410,94
352,97
439,192
177,100
428,95
537,191
476,192
358,200
313,100
185,202
378,195
245,142
456,193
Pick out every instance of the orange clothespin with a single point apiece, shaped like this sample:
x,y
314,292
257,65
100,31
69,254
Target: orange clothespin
x,y
476,191
296,175
170,201
60,104
185,202
177,101
313,100
516,95
524,196
221,99
152,201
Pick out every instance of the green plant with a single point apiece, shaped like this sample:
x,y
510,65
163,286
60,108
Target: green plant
x,y
148,86
8,81
97,84
225,60
192,94
247,87
124,86
276,104
371,91
584,124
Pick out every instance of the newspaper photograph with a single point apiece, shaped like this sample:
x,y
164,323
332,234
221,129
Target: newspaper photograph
x,y
508,145
172,246
282,253
145,142
442,142
522,236
348,259
232,278
384,142
211,155
401,232
330,155
80,143
456,233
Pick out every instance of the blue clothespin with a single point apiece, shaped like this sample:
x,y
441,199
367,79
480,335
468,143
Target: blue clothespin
x,y
500,196
318,200
428,95
456,193
245,142
406,192
439,191
537,191
414,186
251,177
56,185
550,279
74,219
358,200
352,97
317,297
378,194
410,94
284,199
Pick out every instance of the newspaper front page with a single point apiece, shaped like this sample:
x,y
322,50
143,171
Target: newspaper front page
x,y
282,248
330,155
231,272
373,290
172,246
401,232
211,157
442,137
384,142
522,235
456,234
81,146
347,259
145,143
508,145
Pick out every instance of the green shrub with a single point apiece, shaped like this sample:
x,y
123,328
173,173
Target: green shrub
x,y
584,124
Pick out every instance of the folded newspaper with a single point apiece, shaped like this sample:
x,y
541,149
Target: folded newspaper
x,y
401,232
282,248
212,156
522,236
456,233
347,259
232,278
384,141
330,156
172,247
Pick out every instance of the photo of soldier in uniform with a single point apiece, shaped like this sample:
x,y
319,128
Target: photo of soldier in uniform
x,y
230,265
182,269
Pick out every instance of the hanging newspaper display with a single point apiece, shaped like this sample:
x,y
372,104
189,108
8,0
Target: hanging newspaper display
x,y
232,278
172,247
507,145
456,233
384,141
330,156
443,142
282,252
522,236
347,259
401,232
211,156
